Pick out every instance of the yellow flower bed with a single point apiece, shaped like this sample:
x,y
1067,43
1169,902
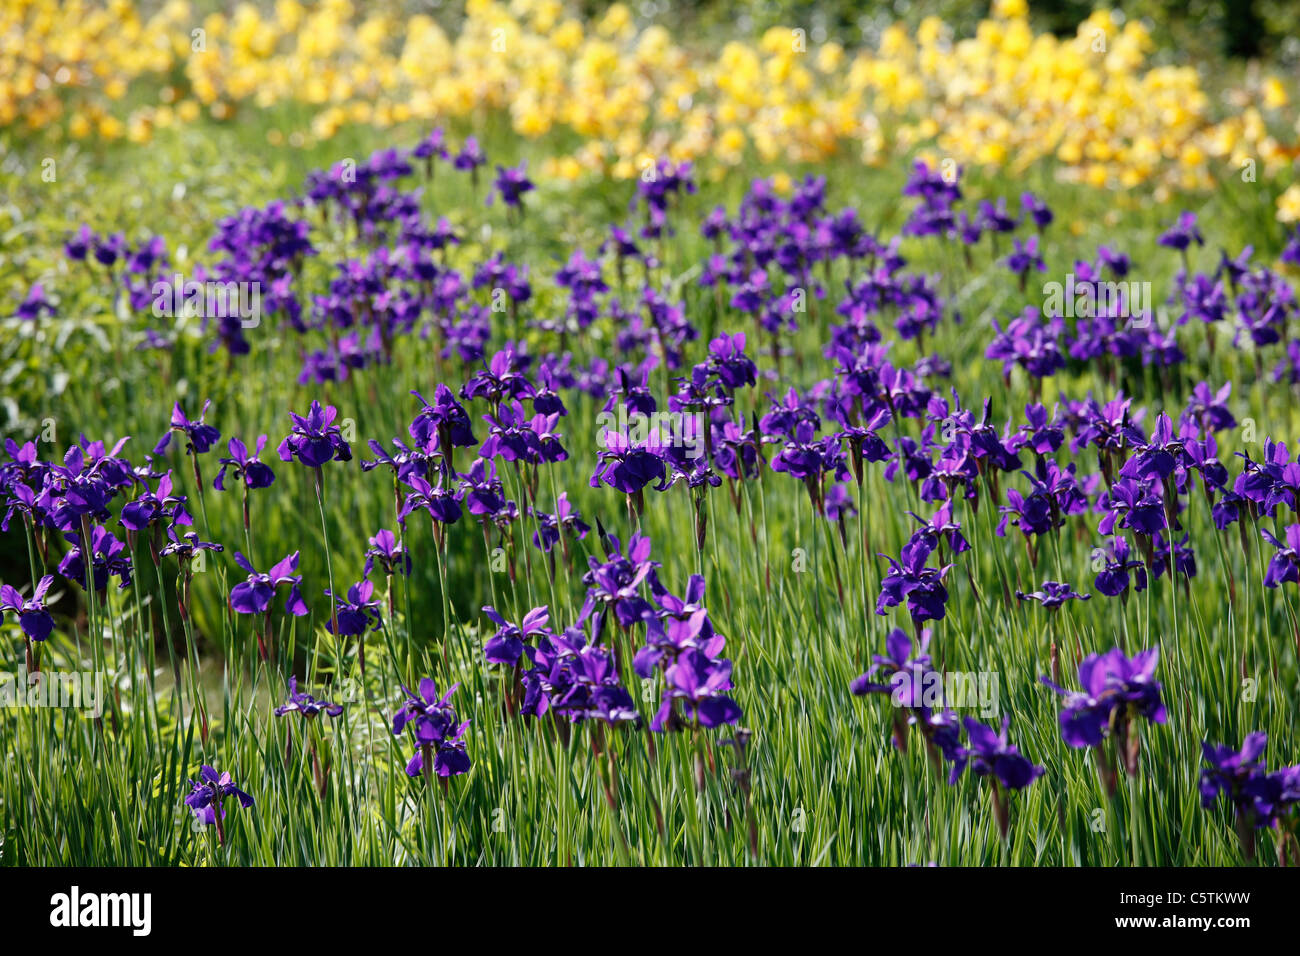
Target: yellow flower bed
x,y
1006,97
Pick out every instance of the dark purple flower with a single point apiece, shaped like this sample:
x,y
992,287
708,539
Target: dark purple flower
x,y
199,436
247,468
445,421
625,466
1113,578
701,682
300,702
614,586
356,613
156,508
1053,595
109,558
1115,688
990,754
575,679
727,359
35,304
254,596
186,546
1258,798
908,579
33,618
208,794
506,646
511,184
315,439
470,156
438,731
390,554
565,521
442,504
1284,566
1182,233
1037,209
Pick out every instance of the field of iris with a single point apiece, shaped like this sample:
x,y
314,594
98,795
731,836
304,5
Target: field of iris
x,y
446,506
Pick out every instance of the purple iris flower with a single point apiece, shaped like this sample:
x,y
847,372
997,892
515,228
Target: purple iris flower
x,y
510,435
1037,209
511,184
356,613
507,645
484,493
1284,566
470,156
995,218
109,557
1113,579
300,702
250,469
208,794
565,521
1135,505
1182,233
1201,457
941,528
1155,459
1258,798
727,359
438,731
682,642
390,554
502,379
184,547
1114,260
199,437
1043,437
1115,689
433,145
1053,595
631,389
315,439
1024,256
1033,515
254,596
1209,409
35,304
80,243
701,682
154,508
989,753
804,456
908,681
1274,481
1031,341
575,679
108,251
33,618
442,504
625,466
908,579
1178,553
615,584
896,659
445,421
786,413
1231,772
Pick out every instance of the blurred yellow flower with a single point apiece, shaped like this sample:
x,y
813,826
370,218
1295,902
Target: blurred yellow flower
x,y
1288,204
